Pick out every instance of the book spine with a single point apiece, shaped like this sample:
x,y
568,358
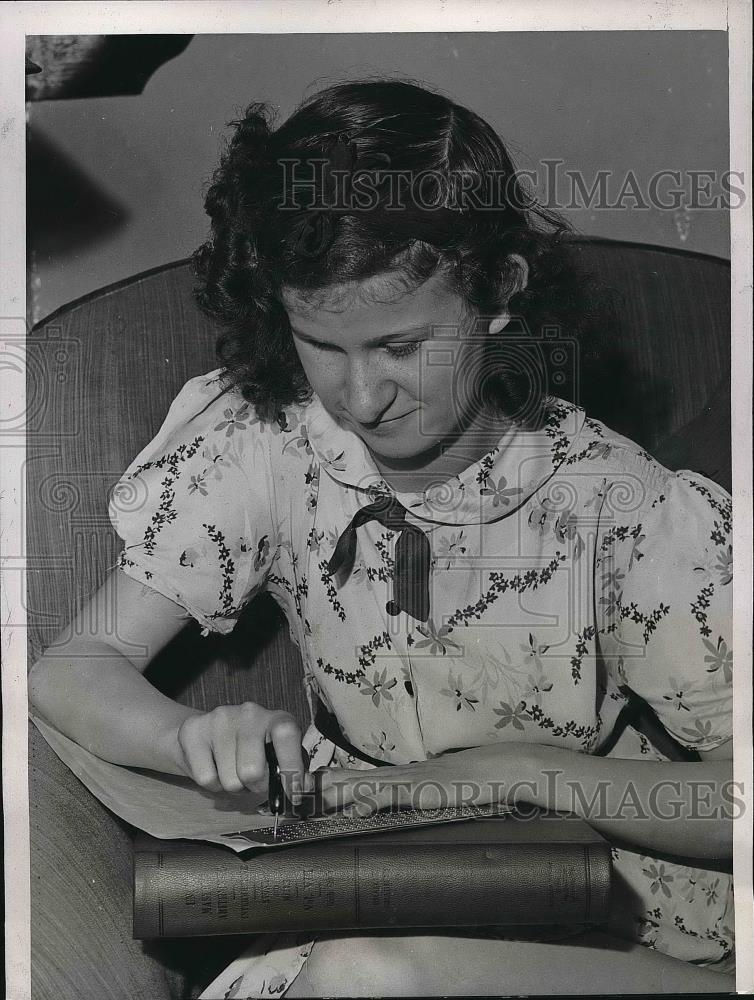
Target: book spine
x,y
211,891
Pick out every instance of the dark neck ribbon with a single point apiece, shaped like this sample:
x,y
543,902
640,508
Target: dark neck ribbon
x,y
412,557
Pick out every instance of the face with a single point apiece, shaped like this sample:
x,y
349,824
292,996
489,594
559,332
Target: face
x,y
400,368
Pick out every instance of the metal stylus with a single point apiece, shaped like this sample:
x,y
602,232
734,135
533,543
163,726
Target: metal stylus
x,y
275,788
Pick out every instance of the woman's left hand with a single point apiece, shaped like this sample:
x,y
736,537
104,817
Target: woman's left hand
x,y
474,777
650,804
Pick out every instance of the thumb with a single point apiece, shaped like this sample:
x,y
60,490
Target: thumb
x,y
360,809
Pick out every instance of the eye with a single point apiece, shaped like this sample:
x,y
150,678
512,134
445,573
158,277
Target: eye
x,y
403,350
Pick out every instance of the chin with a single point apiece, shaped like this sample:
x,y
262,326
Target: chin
x,y
402,448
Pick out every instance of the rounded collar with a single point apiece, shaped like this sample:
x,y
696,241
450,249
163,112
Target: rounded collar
x,y
494,487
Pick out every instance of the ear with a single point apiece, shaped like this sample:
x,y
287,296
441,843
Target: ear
x,y
520,275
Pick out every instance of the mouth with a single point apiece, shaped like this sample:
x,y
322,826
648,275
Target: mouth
x,y
389,422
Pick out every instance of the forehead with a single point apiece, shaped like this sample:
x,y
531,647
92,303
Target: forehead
x,y
377,306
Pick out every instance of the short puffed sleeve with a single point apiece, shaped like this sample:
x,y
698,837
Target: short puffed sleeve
x,y
194,507
664,572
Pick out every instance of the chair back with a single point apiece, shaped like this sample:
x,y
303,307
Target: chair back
x,y
659,371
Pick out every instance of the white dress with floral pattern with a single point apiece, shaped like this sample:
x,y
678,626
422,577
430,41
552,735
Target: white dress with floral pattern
x,y
568,569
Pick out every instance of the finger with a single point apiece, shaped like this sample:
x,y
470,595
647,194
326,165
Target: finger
x,y
311,801
310,782
251,764
285,734
341,788
201,763
224,752
360,808
333,792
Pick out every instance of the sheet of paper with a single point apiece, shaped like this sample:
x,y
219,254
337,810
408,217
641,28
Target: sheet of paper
x,y
186,810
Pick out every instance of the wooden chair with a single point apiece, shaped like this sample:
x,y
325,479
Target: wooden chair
x,y
101,374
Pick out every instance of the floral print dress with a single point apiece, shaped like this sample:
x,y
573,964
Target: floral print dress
x,y
568,569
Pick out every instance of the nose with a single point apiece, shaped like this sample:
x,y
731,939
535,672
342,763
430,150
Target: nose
x,y
368,394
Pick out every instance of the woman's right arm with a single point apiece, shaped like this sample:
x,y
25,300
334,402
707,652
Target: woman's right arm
x,y
89,684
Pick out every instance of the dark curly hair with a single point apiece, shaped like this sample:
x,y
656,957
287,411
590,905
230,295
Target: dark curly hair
x,y
264,218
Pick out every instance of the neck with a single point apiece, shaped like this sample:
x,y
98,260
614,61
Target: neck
x,y
442,462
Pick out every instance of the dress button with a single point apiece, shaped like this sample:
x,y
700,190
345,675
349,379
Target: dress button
x,y
392,608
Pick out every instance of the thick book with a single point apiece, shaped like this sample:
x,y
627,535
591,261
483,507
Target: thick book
x,y
505,872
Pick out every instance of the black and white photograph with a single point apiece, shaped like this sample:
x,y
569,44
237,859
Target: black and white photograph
x,y
376,445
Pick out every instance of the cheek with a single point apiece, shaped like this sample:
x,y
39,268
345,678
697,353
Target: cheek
x,y
321,369
449,389
469,373
438,379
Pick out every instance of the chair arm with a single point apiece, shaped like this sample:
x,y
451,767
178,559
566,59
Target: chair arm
x,y
81,895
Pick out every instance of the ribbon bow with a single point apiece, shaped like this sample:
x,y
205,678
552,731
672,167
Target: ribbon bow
x,y
314,232
412,556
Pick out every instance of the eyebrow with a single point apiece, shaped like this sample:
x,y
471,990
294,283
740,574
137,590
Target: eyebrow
x,y
376,342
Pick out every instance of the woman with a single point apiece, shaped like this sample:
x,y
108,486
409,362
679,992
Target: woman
x,y
467,562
